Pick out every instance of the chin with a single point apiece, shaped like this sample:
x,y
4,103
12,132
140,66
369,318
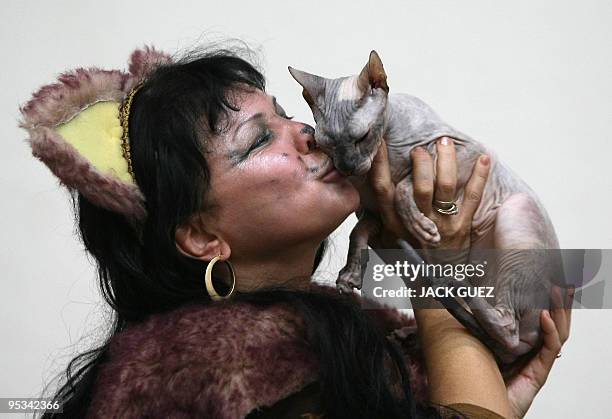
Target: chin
x,y
334,220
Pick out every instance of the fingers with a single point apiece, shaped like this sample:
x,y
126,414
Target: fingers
x,y
380,175
525,386
568,307
422,179
561,312
555,326
446,170
475,188
552,345
379,178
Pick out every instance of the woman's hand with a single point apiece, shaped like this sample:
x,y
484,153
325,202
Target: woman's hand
x,y
445,341
523,388
459,367
454,229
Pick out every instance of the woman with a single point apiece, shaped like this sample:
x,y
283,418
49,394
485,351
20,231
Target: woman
x,y
226,173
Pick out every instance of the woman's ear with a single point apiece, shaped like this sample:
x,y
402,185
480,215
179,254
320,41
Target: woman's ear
x,y
193,241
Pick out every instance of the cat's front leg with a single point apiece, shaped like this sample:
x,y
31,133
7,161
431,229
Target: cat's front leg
x,y
351,275
414,220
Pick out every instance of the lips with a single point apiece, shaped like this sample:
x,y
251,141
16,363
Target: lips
x,y
329,173
327,167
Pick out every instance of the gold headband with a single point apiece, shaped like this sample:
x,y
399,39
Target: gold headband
x,y
124,117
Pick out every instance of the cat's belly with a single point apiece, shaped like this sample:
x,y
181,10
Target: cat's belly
x,y
502,184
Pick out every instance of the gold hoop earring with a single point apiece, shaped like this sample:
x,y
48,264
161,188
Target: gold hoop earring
x,y
208,279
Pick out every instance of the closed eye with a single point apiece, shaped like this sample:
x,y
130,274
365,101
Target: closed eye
x,y
259,141
363,138
262,140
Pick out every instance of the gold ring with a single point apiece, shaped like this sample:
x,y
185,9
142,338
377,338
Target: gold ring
x,y
444,204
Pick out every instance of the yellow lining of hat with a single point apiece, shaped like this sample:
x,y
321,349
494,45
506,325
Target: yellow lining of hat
x,y
96,133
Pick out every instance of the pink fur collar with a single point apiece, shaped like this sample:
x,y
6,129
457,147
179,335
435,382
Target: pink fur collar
x,y
220,360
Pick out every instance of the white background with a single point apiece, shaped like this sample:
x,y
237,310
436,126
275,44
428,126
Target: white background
x,y
532,79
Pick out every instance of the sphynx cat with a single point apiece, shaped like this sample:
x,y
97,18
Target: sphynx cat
x,y
353,114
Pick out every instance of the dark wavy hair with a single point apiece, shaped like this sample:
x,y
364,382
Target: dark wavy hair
x,y
141,272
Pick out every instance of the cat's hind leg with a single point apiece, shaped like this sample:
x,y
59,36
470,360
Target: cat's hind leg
x,y
452,303
522,277
351,275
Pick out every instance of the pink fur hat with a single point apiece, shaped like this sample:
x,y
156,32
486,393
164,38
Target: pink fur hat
x,y
58,103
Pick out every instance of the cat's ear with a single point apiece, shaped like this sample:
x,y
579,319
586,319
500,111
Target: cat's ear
x,y
373,75
313,86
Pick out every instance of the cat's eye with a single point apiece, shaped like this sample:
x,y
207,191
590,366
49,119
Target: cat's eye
x,y
363,138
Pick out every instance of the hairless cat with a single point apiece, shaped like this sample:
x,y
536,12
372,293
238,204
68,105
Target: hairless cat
x,y
353,114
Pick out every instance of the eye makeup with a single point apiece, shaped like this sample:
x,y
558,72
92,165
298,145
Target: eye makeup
x,y
256,131
255,136
263,136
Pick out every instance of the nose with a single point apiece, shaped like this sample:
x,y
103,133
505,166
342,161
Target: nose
x,y
305,141
307,129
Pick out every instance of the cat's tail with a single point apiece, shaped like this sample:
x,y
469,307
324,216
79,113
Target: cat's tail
x,y
463,316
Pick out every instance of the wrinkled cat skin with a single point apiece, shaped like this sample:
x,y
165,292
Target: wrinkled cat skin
x,y
353,114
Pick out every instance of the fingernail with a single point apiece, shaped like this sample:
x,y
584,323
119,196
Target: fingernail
x,y
484,159
445,141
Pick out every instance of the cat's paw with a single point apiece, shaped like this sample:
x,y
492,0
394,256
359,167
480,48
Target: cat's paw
x,y
423,228
349,278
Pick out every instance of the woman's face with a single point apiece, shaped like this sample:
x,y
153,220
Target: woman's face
x,y
269,183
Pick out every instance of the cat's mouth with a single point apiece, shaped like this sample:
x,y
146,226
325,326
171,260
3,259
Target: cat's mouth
x,y
327,167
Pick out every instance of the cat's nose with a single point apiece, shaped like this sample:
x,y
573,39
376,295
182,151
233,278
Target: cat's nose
x,y
345,168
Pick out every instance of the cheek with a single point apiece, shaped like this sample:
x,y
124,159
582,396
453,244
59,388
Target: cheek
x,y
278,174
268,184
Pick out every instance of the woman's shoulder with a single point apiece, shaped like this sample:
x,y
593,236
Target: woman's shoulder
x,y
218,360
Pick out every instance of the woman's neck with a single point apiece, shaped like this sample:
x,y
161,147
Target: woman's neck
x,y
291,269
